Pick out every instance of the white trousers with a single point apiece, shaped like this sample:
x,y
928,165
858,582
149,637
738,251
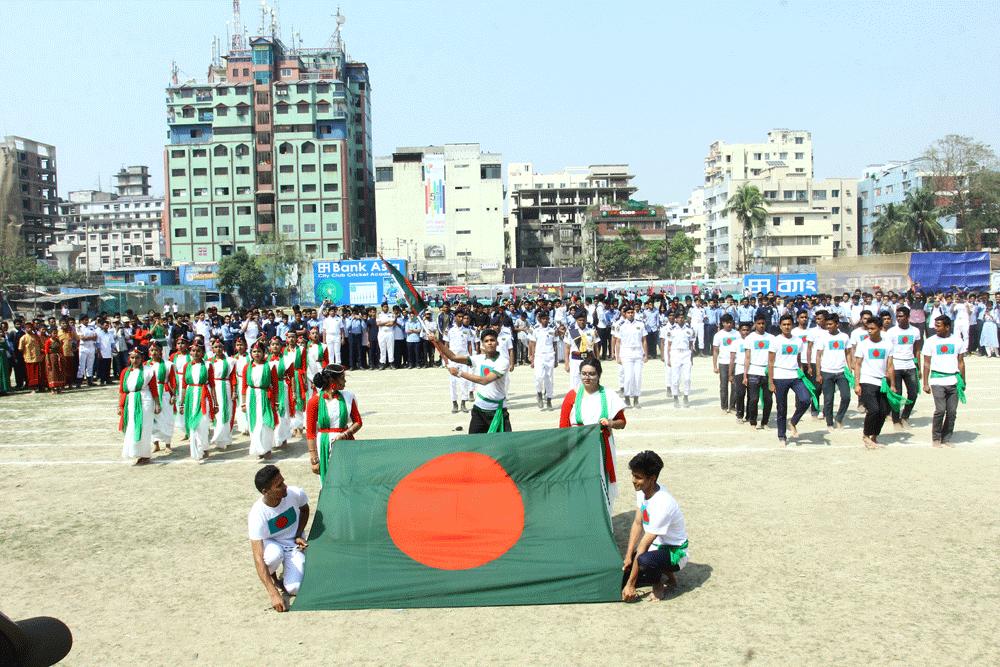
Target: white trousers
x,y
459,387
87,363
131,449
574,374
962,330
699,335
334,345
199,439
222,436
294,562
163,423
386,347
544,376
632,384
680,381
621,375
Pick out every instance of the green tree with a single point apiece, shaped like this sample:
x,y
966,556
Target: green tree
x,y
241,274
889,232
749,207
919,216
680,259
964,181
281,260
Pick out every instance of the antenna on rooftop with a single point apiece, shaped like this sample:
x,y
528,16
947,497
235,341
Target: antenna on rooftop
x,y
238,43
276,20
335,39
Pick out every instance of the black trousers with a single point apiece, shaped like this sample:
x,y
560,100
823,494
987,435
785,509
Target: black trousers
x,y
755,385
908,377
21,374
413,353
481,419
877,408
653,343
354,349
104,370
945,408
399,352
710,331
738,399
831,382
725,390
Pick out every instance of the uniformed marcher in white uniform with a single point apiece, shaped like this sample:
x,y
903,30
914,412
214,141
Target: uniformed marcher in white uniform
x,y
386,322
679,348
631,353
542,357
459,343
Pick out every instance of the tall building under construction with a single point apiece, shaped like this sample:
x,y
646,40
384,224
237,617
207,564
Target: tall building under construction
x,y
274,146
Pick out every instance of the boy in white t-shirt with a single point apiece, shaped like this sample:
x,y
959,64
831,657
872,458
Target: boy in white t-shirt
x,y
831,362
488,371
783,375
722,347
276,525
873,361
657,542
944,367
906,343
737,369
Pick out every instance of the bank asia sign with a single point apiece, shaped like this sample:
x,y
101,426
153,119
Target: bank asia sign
x,y
362,282
789,284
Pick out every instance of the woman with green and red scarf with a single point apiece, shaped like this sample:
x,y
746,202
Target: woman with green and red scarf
x,y
283,393
137,403
258,401
331,415
224,371
295,357
198,404
590,403
163,421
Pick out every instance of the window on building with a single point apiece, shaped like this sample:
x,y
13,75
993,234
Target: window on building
x,y
331,226
798,140
308,168
281,109
243,210
770,194
331,207
788,194
836,228
221,171
782,156
245,230
147,235
309,227
800,220
200,211
308,187
332,247
309,208
489,171
460,210
199,171
382,174
179,192
286,189
180,213
200,192
245,190
310,247
221,111
201,231
878,192
308,147
329,148
288,229
246,71
288,208
801,195
196,134
286,169
800,156
178,173
800,170
220,151
756,156
221,192
302,88
222,210
242,150
834,193
331,187
835,210
332,166
177,153
322,88
819,195
776,221
179,233
242,171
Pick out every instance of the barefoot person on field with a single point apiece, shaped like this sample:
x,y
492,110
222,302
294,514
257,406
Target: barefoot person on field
x,y
277,524
657,543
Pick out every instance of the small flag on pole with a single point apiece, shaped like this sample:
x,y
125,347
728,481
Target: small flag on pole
x,y
409,292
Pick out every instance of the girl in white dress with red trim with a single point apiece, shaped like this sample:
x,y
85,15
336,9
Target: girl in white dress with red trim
x,y
224,372
331,415
283,393
593,404
138,402
258,401
241,359
163,421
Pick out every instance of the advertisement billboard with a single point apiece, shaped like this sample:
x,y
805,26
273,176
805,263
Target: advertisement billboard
x,y
789,284
361,282
434,251
434,195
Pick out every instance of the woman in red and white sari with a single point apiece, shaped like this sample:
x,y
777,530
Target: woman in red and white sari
x,y
331,415
592,404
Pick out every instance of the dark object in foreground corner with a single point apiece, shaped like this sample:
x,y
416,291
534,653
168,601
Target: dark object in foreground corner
x,y
33,642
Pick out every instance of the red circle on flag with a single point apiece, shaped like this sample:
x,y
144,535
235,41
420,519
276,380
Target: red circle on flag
x,y
456,512
760,345
281,521
789,349
876,353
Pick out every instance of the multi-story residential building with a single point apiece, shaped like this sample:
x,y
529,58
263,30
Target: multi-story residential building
x,y
442,208
884,184
807,219
34,169
548,211
275,145
116,230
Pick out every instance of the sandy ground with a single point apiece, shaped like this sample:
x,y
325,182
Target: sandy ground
x,y
821,554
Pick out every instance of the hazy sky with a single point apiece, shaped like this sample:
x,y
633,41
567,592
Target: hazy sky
x,y
651,84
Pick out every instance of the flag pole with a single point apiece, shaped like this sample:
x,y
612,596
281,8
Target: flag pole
x,y
420,313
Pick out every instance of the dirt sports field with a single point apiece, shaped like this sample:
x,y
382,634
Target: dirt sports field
x,y
822,554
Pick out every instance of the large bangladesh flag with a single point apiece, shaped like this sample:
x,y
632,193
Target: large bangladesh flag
x,y
465,520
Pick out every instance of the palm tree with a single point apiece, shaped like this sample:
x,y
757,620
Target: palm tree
x,y
920,220
889,232
747,203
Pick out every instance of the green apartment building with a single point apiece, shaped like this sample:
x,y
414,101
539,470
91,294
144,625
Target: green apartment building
x,y
276,143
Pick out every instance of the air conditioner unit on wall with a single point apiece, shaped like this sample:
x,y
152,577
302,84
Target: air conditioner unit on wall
x,y
140,283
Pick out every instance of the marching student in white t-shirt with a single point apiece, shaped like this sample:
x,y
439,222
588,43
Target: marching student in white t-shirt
x,y
831,361
783,373
276,524
906,344
944,378
488,371
873,360
631,353
758,347
737,369
722,348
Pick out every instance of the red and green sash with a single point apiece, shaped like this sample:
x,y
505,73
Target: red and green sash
x,y
197,399
285,406
609,464
131,385
161,378
260,393
323,428
298,379
225,409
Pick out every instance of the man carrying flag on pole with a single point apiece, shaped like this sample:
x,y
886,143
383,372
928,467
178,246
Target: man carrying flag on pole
x,y
488,370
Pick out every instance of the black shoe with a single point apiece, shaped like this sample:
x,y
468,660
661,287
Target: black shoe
x,y
548,403
454,407
636,403
540,405
464,409
628,401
